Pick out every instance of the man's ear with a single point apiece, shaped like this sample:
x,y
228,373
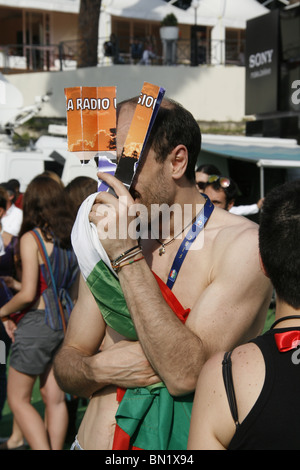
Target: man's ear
x,y
262,266
179,161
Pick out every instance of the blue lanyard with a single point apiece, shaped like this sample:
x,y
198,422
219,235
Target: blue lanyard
x,y
194,231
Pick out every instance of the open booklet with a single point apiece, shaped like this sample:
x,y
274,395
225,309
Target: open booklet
x,y
91,128
91,125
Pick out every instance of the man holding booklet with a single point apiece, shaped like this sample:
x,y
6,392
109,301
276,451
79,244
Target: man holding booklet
x,y
169,299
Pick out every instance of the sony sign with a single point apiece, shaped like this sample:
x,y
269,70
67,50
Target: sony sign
x,y
262,63
260,58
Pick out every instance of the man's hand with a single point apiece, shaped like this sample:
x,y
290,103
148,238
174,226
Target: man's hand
x,y
125,366
110,215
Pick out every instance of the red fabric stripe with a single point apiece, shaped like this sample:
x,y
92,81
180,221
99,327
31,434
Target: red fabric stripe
x,y
172,301
122,441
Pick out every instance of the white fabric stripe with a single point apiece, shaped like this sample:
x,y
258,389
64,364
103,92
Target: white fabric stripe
x,y
85,241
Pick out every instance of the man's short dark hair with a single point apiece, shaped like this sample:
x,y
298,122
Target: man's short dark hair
x,y
175,125
279,246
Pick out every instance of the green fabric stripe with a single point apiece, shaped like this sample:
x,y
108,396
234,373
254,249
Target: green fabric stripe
x,y
154,419
109,296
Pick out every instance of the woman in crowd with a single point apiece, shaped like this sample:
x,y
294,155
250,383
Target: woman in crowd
x,y
40,311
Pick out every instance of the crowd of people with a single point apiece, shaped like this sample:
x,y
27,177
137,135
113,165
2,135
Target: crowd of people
x,y
39,285
154,331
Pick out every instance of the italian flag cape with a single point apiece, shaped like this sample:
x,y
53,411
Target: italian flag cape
x,y
147,418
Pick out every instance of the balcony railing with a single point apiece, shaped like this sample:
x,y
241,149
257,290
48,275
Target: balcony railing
x,y
63,56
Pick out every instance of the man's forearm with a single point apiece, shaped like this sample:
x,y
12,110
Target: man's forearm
x,y
75,373
172,349
123,365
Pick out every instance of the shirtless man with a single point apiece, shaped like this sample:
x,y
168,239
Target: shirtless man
x,y
221,283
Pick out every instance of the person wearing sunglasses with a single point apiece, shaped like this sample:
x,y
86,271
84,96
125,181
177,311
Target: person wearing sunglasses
x,y
206,171
221,190
202,174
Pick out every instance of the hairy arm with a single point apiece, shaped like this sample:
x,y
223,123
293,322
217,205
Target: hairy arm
x,y
73,364
81,369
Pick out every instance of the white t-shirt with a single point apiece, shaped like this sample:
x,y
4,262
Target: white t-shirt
x,y
244,210
12,220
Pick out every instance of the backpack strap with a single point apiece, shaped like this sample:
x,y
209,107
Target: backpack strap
x,y
47,264
228,383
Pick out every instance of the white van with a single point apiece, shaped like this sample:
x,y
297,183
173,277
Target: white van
x,y
25,165
22,166
56,148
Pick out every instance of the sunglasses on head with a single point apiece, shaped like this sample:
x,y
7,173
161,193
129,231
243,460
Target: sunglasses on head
x,y
201,184
222,180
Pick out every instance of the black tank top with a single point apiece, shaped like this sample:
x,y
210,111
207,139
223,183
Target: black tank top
x,y
273,422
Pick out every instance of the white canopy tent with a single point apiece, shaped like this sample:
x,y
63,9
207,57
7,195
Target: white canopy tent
x,y
264,151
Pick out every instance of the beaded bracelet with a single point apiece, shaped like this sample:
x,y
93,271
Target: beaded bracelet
x,y
118,268
127,255
121,256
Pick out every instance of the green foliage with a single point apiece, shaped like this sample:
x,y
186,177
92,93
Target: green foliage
x,y
169,20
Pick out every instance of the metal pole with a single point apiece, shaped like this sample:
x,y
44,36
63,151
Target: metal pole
x,y
262,182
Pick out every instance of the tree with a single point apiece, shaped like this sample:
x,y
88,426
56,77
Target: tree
x,y
88,24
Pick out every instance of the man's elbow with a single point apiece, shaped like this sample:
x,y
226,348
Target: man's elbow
x,y
60,369
184,385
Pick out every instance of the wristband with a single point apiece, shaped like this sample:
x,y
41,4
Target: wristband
x,y
131,253
122,255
